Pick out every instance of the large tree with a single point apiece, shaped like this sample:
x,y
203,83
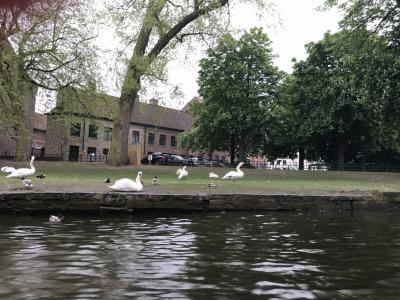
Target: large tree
x,y
238,83
41,45
334,100
161,25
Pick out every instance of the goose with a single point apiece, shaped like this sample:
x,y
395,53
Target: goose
x,y
213,175
23,172
182,173
128,185
233,175
55,219
155,180
28,183
7,169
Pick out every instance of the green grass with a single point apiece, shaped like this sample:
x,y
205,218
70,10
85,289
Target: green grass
x,y
65,176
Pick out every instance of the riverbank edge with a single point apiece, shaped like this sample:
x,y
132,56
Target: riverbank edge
x,y
115,201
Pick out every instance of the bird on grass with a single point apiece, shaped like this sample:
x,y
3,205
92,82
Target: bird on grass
x,y
233,175
107,180
56,219
23,172
7,169
182,173
155,180
128,185
41,176
213,175
28,183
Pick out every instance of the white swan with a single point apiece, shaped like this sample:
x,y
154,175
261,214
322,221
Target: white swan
x,y
23,172
182,173
233,175
7,169
128,185
213,175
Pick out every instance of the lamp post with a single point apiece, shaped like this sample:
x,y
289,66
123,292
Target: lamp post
x,y
61,148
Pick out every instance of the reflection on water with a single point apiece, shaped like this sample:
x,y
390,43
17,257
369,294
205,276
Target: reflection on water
x,y
236,255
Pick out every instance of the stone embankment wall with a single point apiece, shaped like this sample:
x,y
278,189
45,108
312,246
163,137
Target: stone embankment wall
x,y
134,201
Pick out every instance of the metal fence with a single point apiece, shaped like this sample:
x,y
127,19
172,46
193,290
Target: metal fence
x,y
360,167
57,157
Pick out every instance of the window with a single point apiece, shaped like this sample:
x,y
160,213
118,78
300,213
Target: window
x,y
152,138
163,140
93,131
136,137
105,151
107,133
91,152
76,129
173,141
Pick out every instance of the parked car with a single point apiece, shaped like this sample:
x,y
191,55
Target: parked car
x,y
156,159
218,163
193,161
174,160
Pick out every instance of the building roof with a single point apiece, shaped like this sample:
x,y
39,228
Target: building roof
x,y
40,122
105,107
159,116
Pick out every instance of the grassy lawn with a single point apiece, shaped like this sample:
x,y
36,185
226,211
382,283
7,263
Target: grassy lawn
x,y
66,176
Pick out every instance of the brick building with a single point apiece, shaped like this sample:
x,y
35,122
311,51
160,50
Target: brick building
x,y
76,135
37,138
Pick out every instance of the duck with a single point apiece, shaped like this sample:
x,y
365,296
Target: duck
x,y
128,185
55,219
27,182
107,180
7,169
155,180
41,176
233,175
182,173
213,175
23,172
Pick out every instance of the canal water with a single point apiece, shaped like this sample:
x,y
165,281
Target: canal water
x,y
232,255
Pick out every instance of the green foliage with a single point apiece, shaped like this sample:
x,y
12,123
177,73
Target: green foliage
x,y
340,101
238,83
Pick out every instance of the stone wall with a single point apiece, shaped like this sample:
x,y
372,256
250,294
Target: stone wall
x,y
140,201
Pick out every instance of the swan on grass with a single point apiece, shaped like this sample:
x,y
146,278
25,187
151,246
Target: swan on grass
x,y
182,173
128,185
23,172
7,169
233,175
213,175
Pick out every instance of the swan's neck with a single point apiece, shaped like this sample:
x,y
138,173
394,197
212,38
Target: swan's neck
x,y
31,164
238,168
138,179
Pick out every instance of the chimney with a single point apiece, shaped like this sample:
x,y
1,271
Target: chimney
x,y
153,101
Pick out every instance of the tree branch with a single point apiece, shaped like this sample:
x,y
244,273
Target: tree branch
x,y
174,31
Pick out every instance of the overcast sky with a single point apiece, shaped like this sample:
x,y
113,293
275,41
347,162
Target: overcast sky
x,y
292,24
300,23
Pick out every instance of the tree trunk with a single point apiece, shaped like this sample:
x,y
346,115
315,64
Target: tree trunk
x,y
119,145
302,155
25,124
340,153
233,148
